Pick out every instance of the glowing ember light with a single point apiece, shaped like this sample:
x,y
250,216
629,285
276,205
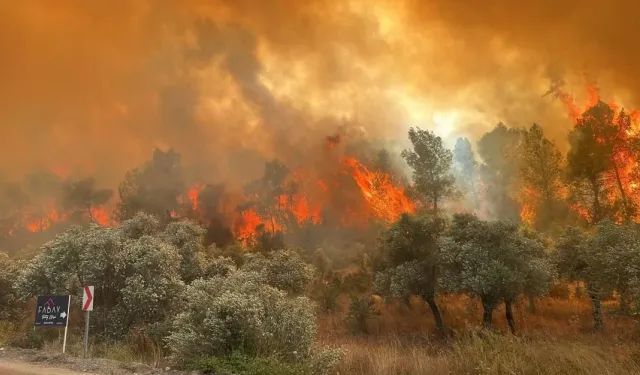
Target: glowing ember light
x,y
40,223
387,201
193,194
621,181
100,216
527,214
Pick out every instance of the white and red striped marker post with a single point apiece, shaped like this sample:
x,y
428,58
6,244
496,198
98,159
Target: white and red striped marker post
x,y
87,306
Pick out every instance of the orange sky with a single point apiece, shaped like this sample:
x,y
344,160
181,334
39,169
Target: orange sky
x,y
94,86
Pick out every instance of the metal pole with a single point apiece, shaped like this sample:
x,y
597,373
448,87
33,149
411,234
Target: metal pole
x,y
66,327
86,334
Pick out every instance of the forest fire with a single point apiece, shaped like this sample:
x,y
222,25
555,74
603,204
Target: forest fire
x,y
613,130
384,201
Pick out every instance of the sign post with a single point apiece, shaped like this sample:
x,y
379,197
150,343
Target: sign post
x,y
87,307
53,311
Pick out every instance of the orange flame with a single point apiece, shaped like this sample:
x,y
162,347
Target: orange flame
x,y
193,193
623,179
387,201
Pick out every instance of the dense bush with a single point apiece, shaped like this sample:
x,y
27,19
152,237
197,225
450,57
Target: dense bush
x,y
361,311
138,270
241,313
240,364
9,301
282,269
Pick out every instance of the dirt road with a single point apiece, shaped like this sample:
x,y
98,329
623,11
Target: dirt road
x,y
18,368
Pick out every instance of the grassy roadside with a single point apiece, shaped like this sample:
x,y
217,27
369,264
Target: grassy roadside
x,y
556,339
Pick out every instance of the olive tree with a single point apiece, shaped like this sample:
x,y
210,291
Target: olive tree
x,y
604,259
8,297
493,261
619,247
282,269
188,238
409,256
135,268
240,312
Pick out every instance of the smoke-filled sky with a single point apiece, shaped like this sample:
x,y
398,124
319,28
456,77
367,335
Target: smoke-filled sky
x,y
95,86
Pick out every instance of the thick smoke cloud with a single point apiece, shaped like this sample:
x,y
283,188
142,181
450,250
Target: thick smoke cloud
x,y
93,87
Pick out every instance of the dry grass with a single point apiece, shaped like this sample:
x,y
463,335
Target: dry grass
x,y
557,317
557,339
489,354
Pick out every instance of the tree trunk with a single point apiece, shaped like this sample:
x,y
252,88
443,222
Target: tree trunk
x,y
532,304
597,308
623,194
487,315
509,315
436,312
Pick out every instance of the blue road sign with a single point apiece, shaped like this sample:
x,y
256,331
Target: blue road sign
x,y
52,311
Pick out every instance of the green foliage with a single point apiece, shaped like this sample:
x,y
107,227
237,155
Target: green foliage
x,y
361,311
188,238
219,267
605,260
30,339
431,164
11,305
404,281
492,260
138,271
499,150
541,171
238,364
329,294
240,312
283,269
409,257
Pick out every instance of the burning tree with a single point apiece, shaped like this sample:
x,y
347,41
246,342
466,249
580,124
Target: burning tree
x,y
541,173
153,188
601,164
83,198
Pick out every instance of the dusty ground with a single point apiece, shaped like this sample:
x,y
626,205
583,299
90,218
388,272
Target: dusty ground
x,y
19,368
34,362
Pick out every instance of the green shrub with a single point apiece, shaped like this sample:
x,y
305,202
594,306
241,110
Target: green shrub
x,y
282,269
31,339
10,304
238,364
361,310
240,313
329,293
